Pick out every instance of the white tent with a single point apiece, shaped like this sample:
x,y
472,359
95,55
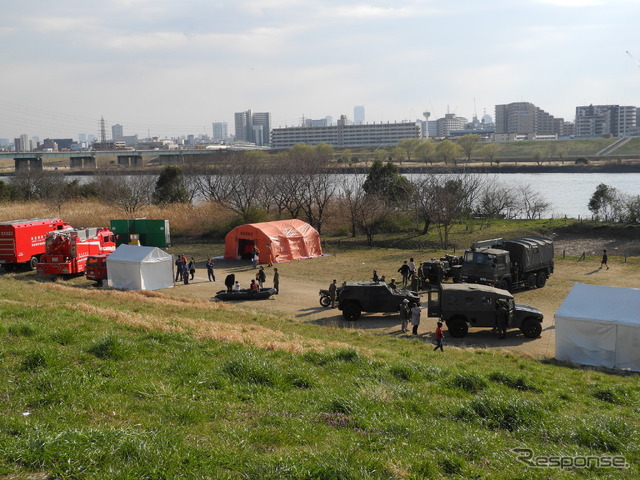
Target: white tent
x,y
133,267
597,325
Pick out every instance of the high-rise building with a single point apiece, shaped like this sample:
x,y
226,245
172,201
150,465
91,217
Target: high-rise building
x,y
448,123
23,143
523,118
358,115
220,131
598,120
253,127
117,132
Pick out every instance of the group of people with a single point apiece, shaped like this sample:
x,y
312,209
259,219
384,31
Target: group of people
x,y
411,276
186,269
256,283
410,313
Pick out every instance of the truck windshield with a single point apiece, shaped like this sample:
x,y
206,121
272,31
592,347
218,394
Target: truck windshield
x,y
481,258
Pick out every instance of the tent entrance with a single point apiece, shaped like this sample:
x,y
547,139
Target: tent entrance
x,y
245,248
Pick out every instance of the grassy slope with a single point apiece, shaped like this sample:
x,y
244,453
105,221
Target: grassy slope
x,y
102,384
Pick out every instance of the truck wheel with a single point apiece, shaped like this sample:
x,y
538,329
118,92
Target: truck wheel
x,y
351,311
503,284
531,328
531,281
33,263
542,280
457,327
325,300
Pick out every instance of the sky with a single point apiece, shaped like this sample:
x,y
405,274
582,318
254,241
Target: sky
x,y
170,68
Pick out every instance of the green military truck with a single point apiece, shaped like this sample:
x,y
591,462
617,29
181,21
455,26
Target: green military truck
x,y
357,297
525,262
464,305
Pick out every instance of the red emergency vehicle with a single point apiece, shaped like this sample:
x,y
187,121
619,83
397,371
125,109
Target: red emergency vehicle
x,y
68,250
22,242
96,268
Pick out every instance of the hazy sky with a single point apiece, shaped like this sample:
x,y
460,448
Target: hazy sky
x,y
172,68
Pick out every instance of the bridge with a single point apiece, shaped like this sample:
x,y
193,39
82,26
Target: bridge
x,y
84,160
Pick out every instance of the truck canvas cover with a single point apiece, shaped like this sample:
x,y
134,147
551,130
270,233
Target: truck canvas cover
x,y
533,252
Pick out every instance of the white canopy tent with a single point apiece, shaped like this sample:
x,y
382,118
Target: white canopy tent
x,y
598,325
134,267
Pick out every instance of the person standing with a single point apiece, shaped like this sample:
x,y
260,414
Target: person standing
x,y
255,256
404,271
415,318
261,276
502,318
333,290
276,280
439,337
185,271
405,314
605,257
412,268
192,267
178,268
210,273
229,281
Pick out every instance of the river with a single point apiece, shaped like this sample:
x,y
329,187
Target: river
x,y
567,193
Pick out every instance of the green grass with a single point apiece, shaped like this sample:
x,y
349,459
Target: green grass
x,y
91,397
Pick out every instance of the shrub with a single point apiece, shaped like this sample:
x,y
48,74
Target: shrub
x,y
613,395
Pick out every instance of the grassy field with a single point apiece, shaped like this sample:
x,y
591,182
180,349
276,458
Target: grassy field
x,y
106,384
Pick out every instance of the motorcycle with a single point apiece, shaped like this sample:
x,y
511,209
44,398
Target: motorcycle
x,y
325,298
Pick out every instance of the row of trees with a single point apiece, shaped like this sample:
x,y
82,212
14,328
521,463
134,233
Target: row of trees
x,y
301,183
610,205
304,183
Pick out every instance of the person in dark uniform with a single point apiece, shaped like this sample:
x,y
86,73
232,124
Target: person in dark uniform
x,y
502,318
229,281
333,290
605,257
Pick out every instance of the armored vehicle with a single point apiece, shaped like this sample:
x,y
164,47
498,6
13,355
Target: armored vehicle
x,y
435,271
523,262
464,305
356,297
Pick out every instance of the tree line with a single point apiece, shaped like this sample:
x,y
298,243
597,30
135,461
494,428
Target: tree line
x,y
306,182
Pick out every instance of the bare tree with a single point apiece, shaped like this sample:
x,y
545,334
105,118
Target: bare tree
x,y
372,213
469,144
130,193
532,204
353,195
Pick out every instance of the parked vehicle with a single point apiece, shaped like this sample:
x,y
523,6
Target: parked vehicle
x,y
435,271
464,305
22,242
525,262
356,297
68,250
325,297
96,268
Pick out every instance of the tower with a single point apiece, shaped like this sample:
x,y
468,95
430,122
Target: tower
x,y
425,130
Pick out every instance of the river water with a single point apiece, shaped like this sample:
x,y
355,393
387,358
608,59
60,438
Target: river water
x,y
567,193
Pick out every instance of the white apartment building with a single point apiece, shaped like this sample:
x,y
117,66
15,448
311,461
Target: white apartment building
x,y
345,135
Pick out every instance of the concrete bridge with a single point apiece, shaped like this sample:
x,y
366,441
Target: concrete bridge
x,y
87,160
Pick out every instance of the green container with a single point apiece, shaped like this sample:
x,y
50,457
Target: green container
x,y
121,230
151,233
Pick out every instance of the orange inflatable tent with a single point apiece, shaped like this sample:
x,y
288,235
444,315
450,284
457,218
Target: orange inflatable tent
x,y
279,241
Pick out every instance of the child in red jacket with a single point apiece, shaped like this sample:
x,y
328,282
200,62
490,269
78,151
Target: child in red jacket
x,y
439,337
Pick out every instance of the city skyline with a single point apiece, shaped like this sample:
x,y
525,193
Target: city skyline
x,y
170,69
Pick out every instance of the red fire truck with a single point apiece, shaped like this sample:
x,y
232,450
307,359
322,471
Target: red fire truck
x,y
67,250
22,242
96,268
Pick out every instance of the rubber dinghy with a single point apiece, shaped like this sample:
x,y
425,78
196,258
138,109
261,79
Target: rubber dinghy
x,y
245,294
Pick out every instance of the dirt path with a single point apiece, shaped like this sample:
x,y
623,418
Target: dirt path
x,y
299,299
